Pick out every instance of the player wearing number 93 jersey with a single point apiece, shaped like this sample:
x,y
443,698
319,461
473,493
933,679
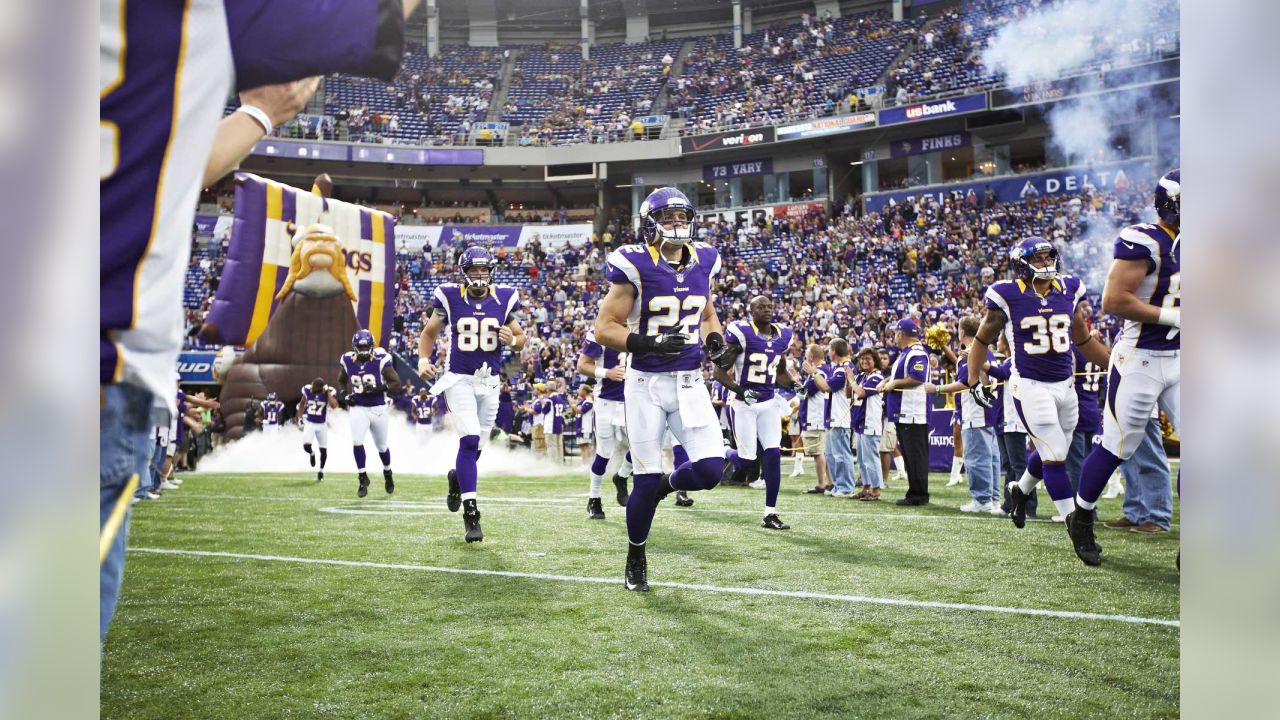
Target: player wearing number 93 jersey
x,y
1144,288
368,372
480,318
657,308
1040,314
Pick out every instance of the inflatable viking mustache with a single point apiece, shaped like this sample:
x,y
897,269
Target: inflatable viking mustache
x,y
316,248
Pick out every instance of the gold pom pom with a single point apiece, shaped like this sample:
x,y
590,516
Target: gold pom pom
x,y
937,337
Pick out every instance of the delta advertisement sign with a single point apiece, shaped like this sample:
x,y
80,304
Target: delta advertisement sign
x,y
1017,188
937,108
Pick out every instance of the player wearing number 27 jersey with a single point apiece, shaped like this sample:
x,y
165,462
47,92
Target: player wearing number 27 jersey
x,y
658,308
1039,313
480,318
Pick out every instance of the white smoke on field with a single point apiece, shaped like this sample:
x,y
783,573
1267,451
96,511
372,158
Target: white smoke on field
x,y
434,455
1060,40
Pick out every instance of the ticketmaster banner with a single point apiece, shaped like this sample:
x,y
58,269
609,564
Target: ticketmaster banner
x,y
1019,187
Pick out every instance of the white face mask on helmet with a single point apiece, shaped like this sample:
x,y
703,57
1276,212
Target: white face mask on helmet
x,y
673,230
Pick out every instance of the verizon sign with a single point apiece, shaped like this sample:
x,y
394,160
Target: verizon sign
x,y
727,140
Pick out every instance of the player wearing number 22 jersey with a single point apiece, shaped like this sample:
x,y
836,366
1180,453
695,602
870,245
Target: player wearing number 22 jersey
x,y
480,317
1039,312
658,308
368,374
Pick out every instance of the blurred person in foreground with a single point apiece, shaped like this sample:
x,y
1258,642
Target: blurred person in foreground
x,y
162,138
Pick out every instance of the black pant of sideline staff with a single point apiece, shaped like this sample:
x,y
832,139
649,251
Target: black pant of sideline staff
x,y
914,439
1013,461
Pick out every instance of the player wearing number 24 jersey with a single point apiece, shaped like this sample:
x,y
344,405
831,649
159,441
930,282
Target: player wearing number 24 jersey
x,y
480,317
658,308
1039,313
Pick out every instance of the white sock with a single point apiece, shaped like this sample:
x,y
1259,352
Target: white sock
x,y
626,468
770,511
799,464
468,496
1028,482
1065,506
596,480
956,464
1084,504
897,465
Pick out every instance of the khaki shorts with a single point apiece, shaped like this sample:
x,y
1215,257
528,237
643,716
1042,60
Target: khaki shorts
x,y
815,442
889,438
539,437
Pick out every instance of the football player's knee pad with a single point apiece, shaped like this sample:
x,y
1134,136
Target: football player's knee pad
x,y
708,471
469,443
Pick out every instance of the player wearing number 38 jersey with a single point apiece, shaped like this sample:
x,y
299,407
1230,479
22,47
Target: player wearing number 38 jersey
x,y
1040,314
659,309
480,318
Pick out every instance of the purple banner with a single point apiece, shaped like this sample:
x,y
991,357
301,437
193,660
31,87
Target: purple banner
x,y
928,144
1019,187
205,224
489,235
942,444
395,154
740,168
937,108
276,147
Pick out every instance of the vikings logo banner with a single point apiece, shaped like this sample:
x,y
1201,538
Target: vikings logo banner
x,y
285,240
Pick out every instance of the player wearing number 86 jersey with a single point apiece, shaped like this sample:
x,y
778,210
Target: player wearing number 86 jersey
x,y
480,317
1040,314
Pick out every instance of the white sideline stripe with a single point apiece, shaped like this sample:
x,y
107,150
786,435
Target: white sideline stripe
x,y
361,511
932,604
407,503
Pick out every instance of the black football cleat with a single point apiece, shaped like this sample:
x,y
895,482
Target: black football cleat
x,y
454,499
683,499
620,483
1080,529
636,577
388,481
319,476
595,510
364,485
664,489
1018,499
471,521
773,522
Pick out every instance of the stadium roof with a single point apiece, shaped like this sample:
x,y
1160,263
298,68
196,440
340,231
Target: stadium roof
x,y
526,15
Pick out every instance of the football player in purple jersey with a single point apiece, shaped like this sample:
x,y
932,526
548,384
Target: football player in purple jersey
x,y
1041,316
758,347
1144,289
422,414
367,374
313,410
272,413
609,368
167,71
659,309
481,319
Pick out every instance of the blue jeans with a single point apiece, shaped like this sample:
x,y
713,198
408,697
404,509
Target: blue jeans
x,y
1148,484
150,482
869,460
982,460
839,453
124,448
1081,445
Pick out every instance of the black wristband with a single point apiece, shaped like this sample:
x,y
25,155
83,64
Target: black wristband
x,y
988,343
638,344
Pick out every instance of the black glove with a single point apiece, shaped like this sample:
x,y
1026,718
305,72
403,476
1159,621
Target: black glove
x,y
982,395
344,399
374,389
718,351
797,387
747,396
664,344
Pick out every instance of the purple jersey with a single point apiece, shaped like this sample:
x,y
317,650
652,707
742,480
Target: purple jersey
x,y
1039,328
167,70
756,367
606,358
1161,287
422,409
366,373
315,405
1089,381
668,299
272,411
556,406
868,410
474,324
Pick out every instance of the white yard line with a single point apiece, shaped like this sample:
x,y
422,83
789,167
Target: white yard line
x,y
851,599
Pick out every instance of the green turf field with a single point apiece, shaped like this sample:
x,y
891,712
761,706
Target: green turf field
x,y
876,611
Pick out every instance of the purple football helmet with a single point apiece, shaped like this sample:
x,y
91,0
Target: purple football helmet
x,y
271,395
476,257
362,343
1028,248
655,213
1169,197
